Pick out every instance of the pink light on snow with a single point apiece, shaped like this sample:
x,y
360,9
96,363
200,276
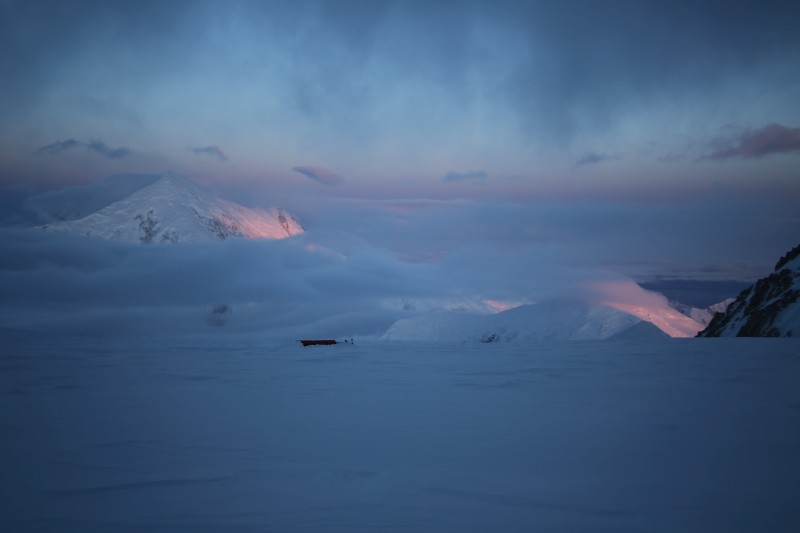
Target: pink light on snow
x,y
629,297
498,306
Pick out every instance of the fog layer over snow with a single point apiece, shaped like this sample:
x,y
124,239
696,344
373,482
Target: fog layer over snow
x,y
223,435
314,284
360,269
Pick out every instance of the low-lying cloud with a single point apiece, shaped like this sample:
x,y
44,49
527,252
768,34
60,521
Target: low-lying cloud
x,y
363,264
319,282
279,289
320,174
61,283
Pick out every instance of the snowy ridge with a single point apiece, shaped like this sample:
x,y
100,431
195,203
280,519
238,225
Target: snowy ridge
x,y
770,308
172,209
702,316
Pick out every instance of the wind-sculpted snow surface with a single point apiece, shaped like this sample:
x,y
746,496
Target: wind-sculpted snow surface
x,y
675,435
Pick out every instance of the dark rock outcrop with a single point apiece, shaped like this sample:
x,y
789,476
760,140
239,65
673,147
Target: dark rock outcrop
x,y
770,308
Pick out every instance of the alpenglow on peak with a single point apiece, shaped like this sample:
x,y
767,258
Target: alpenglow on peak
x,y
173,209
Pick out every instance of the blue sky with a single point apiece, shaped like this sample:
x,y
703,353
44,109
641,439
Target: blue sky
x,y
587,105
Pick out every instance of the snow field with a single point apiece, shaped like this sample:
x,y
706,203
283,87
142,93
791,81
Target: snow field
x,y
668,435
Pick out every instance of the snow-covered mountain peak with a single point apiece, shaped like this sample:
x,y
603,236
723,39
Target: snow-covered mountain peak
x,y
173,209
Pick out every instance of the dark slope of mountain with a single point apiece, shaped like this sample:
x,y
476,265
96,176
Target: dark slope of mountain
x,y
173,209
770,308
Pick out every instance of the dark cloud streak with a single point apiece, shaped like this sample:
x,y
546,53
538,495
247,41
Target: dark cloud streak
x,y
757,143
57,147
96,146
472,175
320,174
594,158
213,151
103,149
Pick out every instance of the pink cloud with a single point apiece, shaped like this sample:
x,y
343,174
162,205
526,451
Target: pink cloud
x,y
629,297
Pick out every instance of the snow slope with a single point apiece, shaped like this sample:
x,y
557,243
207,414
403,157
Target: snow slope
x,y
172,209
687,435
770,308
664,317
702,316
551,320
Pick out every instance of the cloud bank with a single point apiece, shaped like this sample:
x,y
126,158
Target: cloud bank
x,y
364,264
98,287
